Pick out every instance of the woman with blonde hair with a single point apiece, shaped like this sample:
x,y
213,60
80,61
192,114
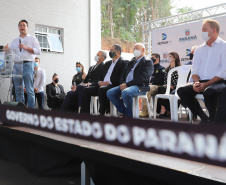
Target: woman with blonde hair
x,y
79,77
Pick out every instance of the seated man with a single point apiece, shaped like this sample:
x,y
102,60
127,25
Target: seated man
x,y
73,99
157,79
55,93
208,72
111,76
135,81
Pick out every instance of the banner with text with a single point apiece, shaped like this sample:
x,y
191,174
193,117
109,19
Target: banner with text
x,y
181,38
193,142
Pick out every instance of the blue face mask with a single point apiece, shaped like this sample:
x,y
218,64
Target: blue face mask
x,y
78,69
35,64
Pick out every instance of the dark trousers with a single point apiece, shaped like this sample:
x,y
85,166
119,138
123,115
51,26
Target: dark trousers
x,y
73,100
40,99
221,115
104,101
163,102
96,91
87,92
211,95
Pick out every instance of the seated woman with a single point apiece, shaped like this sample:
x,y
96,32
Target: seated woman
x,y
163,104
55,93
79,77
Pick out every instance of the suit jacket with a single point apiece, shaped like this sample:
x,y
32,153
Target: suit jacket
x,y
141,75
94,75
117,71
51,93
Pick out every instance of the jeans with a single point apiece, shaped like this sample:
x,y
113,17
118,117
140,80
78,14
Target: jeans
x,y
26,70
40,98
125,104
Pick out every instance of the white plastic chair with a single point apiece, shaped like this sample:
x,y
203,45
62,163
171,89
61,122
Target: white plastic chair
x,y
183,72
113,110
94,102
136,108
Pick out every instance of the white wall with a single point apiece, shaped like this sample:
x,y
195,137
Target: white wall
x,y
76,17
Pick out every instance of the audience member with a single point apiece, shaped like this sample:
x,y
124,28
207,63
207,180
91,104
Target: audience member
x,y
39,82
73,99
208,73
55,93
79,77
135,81
111,76
163,104
157,79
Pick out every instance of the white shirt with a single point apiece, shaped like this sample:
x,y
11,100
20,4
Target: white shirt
x,y
209,62
29,41
39,79
107,77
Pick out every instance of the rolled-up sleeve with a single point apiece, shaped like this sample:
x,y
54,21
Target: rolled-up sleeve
x,y
222,72
36,48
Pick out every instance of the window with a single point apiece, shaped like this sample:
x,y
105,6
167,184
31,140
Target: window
x,y
50,39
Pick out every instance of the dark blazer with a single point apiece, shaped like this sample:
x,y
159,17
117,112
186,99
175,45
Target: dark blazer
x,y
94,76
51,93
117,71
141,75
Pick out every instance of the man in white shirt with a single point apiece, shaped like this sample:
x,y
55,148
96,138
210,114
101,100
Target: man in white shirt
x,y
25,47
208,73
39,82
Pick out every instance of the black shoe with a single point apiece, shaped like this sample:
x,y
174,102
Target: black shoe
x,y
206,122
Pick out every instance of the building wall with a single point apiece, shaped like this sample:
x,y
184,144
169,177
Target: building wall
x,y
74,16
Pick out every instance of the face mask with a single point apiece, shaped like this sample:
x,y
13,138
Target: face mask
x,y
154,60
96,58
57,80
136,53
205,36
170,59
112,54
191,56
78,69
36,64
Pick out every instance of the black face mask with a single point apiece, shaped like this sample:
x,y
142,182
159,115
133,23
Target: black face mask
x,y
57,80
153,60
191,56
112,54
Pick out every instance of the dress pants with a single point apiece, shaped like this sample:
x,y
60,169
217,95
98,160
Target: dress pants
x,y
221,116
73,100
87,92
104,101
211,96
40,98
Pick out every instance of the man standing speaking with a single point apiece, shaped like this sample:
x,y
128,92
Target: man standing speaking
x,y
25,47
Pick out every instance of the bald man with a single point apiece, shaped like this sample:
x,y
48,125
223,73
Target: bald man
x,y
135,82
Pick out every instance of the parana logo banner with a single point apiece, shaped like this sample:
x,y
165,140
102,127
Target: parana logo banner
x,y
193,142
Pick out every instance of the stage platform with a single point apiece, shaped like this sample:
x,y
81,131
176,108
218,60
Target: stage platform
x,y
180,168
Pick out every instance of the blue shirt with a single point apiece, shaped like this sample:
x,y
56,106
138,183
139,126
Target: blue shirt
x,y
130,75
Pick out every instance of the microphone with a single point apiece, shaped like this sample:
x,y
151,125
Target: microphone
x,y
20,43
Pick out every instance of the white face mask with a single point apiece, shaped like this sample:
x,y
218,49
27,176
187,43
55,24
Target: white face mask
x,y
96,58
205,36
136,53
170,59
